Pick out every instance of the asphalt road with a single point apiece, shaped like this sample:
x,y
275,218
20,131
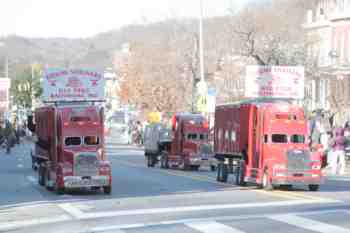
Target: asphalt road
x,y
156,200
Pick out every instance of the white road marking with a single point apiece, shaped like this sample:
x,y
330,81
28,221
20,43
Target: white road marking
x,y
212,227
20,165
25,223
309,224
71,210
212,219
81,215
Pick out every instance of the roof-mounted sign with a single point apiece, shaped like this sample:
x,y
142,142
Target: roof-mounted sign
x,y
66,85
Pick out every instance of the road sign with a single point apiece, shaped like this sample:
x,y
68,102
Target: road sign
x,y
202,103
275,82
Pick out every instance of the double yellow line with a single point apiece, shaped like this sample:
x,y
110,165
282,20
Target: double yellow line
x,y
290,195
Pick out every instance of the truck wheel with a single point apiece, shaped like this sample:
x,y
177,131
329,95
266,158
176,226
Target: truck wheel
x,y
314,187
266,182
149,161
222,173
240,174
154,160
41,177
47,181
185,166
59,190
195,167
107,190
164,162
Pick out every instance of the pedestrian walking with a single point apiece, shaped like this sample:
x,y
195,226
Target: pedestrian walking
x,y
337,154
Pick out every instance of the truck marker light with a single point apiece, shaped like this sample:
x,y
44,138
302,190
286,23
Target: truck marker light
x,y
66,123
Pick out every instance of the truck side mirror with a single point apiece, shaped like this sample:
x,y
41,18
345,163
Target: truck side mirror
x,y
30,123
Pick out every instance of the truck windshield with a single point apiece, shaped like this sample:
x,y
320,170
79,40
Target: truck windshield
x,y
91,140
279,138
203,136
194,136
72,141
296,138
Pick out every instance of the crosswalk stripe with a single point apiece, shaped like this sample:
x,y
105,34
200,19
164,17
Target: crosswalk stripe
x,y
309,224
212,227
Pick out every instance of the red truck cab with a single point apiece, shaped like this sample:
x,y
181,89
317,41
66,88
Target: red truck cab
x,y
69,151
188,148
267,140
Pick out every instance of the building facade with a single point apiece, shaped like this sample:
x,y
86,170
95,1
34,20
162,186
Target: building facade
x,y
328,28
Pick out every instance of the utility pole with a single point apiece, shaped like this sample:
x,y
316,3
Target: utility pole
x,y
201,49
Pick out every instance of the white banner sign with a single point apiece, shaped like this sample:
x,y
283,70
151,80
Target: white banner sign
x,y
5,84
275,82
73,85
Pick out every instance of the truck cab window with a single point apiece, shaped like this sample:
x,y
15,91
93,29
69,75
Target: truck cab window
x,y
72,141
296,138
91,140
279,138
192,136
266,138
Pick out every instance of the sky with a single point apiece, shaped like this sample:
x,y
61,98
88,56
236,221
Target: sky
x,y
85,18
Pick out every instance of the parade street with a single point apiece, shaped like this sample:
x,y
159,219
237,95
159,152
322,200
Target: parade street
x,y
157,200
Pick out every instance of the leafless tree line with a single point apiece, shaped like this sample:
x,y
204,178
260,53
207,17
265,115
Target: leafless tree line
x,y
161,67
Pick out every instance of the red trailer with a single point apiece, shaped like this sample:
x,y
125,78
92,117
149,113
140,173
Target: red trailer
x,y
69,152
265,142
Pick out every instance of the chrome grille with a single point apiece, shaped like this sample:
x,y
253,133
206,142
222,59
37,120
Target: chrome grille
x,y
205,149
86,164
298,160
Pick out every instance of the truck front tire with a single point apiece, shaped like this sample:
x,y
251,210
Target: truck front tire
x,y
41,175
314,187
222,173
107,190
164,161
240,174
149,161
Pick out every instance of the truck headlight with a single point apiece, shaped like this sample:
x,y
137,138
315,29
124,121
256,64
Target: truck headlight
x,y
279,167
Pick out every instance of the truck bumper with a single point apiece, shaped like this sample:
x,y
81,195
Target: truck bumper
x,y
292,180
198,161
81,182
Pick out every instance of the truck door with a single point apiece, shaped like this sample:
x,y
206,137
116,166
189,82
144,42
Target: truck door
x,y
256,141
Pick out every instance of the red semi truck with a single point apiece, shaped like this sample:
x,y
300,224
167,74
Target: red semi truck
x,y
265,142
69,151
185,145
